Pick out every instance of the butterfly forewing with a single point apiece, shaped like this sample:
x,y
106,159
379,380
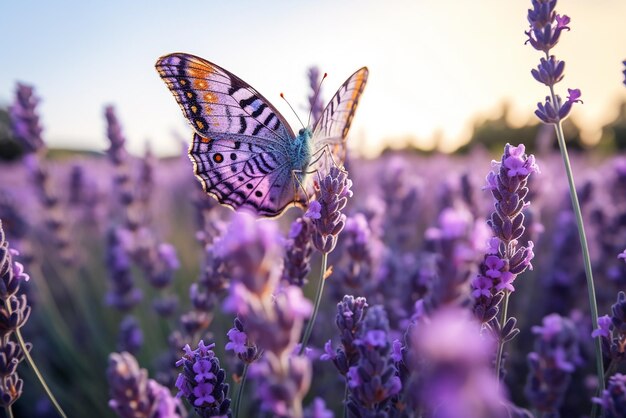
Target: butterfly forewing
x,y
216,101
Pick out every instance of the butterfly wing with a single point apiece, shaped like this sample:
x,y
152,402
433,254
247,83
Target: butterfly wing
x,y
331,129
241,143
216,101
243,174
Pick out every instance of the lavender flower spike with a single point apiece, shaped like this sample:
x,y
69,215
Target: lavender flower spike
x,y
14,312
506,258
457,381
325,212
133,395
25,119
551,364
202,382
546,27
613,400
298,251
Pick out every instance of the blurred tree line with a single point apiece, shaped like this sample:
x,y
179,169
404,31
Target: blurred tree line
x,y
491,134
9,147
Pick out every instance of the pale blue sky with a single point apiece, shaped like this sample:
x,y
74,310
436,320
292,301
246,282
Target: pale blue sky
x,y
433,65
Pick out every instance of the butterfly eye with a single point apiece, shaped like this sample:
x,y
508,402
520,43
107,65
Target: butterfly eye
x,y
301,131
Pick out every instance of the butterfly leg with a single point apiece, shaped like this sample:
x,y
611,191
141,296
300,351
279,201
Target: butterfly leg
x,y
297,181
327,153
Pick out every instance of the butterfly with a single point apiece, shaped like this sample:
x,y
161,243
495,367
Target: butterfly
x,y
244,152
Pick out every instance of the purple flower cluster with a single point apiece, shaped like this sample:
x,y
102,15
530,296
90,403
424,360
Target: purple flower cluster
x,y
27,129
202,382
453,245
123,294
505,259
273,315
133,395
612,331
362,251
613,399
316,103
241,345
349,320
25,119
298,251
373,380
332,193
454,372
14,312
545,30
555,358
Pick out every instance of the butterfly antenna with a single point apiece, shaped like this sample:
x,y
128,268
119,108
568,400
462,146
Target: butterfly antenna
x,y
317,93
294,112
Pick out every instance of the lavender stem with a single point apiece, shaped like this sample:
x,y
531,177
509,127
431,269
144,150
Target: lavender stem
x,y
505,308
345,400
318,299
593,307
32,364
240,390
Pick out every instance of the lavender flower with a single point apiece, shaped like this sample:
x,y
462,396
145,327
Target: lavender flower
x,y
130,338
400,193
455,374
325,213
14,312
26,127
117,148
624,72
373,380
298,251
273,315
455,257
349,320
123,294
613,399
505,258
361,257
133,395
545,30
316,103
317,409
202,382
282,383
612,331
25,119
551,364
238,342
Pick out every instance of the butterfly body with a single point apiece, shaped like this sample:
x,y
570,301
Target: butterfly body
x,y
244,152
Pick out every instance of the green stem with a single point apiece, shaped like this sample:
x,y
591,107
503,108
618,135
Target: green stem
x,y
593,307
503,319
345,401
33,366
9,411
318,299
240,390
610,370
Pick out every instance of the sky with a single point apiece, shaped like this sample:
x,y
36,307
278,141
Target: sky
x,y
435,66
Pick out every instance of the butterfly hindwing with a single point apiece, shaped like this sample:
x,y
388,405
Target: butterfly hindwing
x,y
331,129
242,174
216,101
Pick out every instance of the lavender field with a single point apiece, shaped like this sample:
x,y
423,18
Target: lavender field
x,y
484,283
